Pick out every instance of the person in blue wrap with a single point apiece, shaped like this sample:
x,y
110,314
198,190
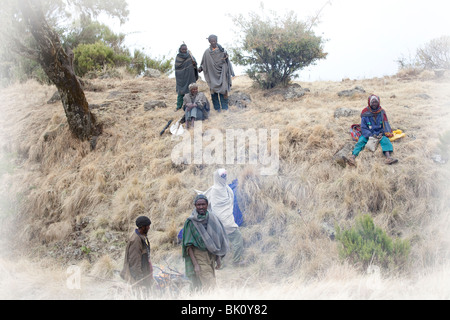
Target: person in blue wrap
x,y
375,125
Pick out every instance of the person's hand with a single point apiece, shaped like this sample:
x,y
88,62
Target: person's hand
x,y
151,267
200,70
190,106
218,263
197,269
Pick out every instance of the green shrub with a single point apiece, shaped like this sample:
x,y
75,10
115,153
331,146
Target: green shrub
x,y
141,62
96,57
367,244
87,31
161,64
275,49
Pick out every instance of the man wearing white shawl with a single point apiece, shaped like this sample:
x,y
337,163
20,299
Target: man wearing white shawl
x,y
221,202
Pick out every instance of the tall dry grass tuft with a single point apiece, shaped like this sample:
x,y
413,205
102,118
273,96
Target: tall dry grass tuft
x,y
103,268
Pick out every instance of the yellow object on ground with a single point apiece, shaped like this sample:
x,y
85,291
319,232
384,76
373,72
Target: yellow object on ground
x,y
398,134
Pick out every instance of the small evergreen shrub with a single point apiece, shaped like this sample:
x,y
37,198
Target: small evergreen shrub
x,y
162,64
141,62
367,244
97,57
276,48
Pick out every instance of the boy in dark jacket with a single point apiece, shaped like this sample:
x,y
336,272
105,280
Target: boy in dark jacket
x,y
138,268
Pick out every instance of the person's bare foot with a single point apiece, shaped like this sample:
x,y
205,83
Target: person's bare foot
x,y
390,161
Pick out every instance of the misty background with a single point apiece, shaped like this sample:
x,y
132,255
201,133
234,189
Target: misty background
x,y
364,39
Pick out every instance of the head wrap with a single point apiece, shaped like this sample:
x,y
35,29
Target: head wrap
x,y
200,197
374,98
183,45
370,112
218,45
143,222
222,172
221,197
213,36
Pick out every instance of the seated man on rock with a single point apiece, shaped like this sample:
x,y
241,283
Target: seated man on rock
x,y
195,105
374,124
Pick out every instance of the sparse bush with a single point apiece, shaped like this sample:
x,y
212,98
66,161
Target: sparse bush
x,y
276,48
16,68
138,63
161,64
141,62
435,54
368,244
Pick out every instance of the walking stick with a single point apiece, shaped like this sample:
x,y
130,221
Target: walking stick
x,y
165,128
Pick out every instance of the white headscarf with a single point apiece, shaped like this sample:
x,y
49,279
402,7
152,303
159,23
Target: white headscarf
x,y
221,200
374,98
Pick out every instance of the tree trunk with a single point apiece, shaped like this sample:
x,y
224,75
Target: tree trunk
x,y
58,65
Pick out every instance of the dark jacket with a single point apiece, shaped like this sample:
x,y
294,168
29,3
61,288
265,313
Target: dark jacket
x,y
374,124
185,72
136,267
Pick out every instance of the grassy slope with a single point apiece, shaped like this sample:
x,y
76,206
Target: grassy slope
x,y
63,198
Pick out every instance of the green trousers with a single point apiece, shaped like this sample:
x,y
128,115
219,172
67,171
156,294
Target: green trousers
x,y
237,245
385,143
180,101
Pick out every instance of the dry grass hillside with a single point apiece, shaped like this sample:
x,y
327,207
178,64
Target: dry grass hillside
x,y
63,203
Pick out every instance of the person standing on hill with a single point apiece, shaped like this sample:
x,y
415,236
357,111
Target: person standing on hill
x,y
186,72
218,73
137,268
221,202
374,123
204,244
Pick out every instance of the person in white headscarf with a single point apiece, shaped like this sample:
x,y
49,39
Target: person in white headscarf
x,y
221,202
